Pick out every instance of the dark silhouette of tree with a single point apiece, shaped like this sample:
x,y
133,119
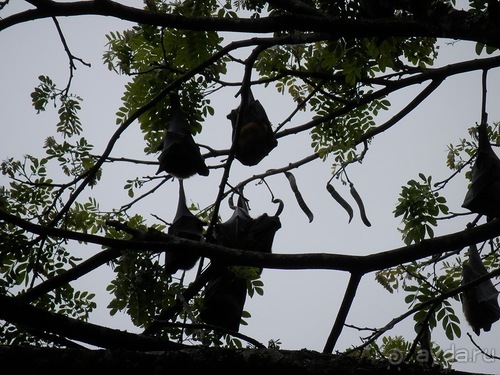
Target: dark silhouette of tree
x,y
337,61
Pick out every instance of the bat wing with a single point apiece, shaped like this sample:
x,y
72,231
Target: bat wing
x,y
185,225
479,303
180,155
483,196
261,233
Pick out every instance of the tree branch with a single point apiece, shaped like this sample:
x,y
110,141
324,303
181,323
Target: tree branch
x,y
343,311
350,263
430,302
70,275
455,24
17,312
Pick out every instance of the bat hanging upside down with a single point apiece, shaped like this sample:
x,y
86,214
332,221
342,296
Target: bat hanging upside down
x,y
180,155
185,225
255,138
479,303
483,196
225,294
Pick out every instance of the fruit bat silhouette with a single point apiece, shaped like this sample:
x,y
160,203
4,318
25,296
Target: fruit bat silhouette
x,y
180,156
225,294
479,303
185,225
255,138
243,232
224,300
483,196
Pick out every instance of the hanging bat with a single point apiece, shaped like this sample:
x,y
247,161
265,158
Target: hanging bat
x,y
255,138
185,225
180,156
479,303
483,196
243,232
224,300
225,295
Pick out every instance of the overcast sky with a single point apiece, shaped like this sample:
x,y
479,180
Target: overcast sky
x,y
298,307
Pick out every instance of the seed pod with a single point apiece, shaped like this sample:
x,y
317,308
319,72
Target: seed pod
x,y
361,206
298,196
335,195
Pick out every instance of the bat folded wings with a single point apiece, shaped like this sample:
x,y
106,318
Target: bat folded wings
x,y
255,138
180,155
480,302
483,196
225,294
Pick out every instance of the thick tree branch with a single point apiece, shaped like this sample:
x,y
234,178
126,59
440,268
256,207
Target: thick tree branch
x,y
433,301
17,312
345,307
455,24
436,75
193,361
70,275
350,263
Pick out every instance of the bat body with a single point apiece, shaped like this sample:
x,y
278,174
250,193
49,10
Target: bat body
x,y
185,225
483,196
243,232
255,138
225,295
224,300
180,156
479,303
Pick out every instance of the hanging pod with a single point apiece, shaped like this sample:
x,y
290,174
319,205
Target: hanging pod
x,y
335,195
298,196
361,206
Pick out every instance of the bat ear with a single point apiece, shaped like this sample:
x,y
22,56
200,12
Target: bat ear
x,y
483,196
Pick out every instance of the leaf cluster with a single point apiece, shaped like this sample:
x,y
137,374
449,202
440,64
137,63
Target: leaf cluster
x,y
419,205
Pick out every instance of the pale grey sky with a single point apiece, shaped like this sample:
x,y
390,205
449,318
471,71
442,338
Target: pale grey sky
x,y
298,307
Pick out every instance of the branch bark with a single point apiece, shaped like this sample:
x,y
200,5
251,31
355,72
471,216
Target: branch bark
x,y
18,312
48,361
456,24
350,263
